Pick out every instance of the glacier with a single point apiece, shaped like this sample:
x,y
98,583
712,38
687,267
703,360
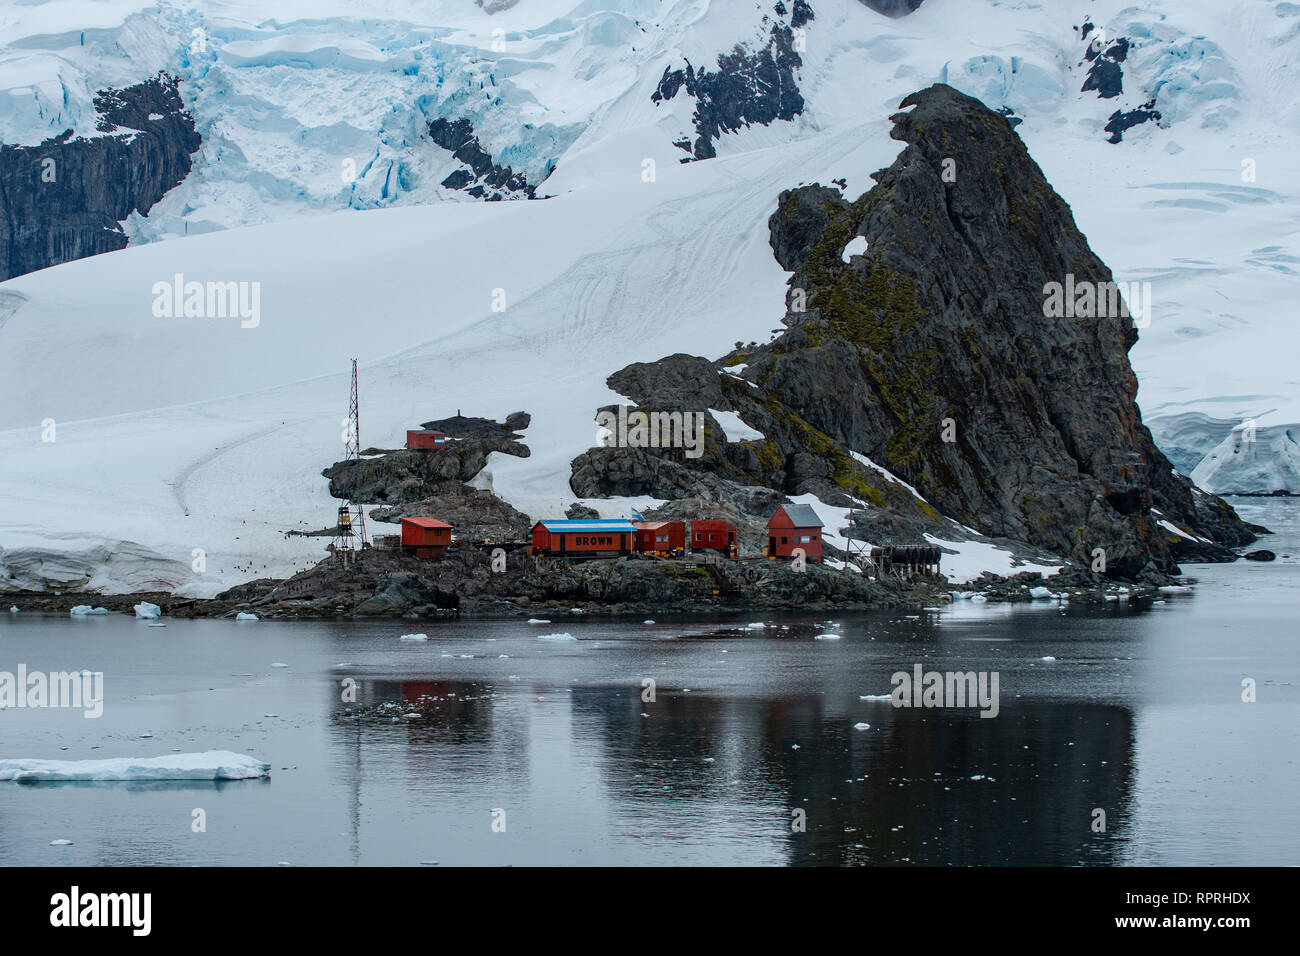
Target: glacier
x,y
317,180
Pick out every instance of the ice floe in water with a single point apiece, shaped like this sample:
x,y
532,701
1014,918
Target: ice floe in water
x,y
827,637
566,636
414,637
209,765
1041,593
538,620
245,616
85,610
147,611
861,726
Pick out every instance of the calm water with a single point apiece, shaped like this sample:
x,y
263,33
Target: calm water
x,y
1139,715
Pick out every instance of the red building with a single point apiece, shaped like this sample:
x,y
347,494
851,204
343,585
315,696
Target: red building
x,y
660,535
597,537
428,537
422,438
714,536
794,526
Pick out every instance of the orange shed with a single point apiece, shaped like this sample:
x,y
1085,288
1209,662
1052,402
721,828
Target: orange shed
x,y
428,537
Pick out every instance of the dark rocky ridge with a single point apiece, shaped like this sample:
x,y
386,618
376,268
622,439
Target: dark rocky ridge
x,y
941,319
747,87
404,476
480,176
97,182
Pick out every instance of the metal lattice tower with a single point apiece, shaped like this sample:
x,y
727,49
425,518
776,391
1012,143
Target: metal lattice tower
x,y
354,456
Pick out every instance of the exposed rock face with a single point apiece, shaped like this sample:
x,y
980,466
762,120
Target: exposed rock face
x,y
893,8
411,475
747,86
931,355
479,176
475,514
938,331
65,199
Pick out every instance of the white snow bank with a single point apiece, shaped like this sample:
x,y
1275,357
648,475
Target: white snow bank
x,y
147,611
209,765
857,246
734,427
973,558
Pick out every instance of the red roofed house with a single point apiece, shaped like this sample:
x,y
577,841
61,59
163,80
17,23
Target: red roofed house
x,y
794,526
429,537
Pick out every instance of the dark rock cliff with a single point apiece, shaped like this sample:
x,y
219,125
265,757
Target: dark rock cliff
x,y
65,199
931,354
748,86
938,332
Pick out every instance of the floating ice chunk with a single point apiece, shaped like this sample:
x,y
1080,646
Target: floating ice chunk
x,y
828,637
1041,593
875,697
85,610
278,664
1051,660
148,612
978,599
861,726
14,609
245,616
566,636
60,843
209,765
414,637
756,626
538,620
647,621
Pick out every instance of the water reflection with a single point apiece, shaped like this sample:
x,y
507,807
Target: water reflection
x,y
929,787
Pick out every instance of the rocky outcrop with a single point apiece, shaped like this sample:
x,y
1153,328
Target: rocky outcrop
x,y
407,476
932,354
66,198
748,86
475,514
479,175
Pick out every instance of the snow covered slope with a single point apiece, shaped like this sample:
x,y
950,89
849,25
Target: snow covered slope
x,y
188,443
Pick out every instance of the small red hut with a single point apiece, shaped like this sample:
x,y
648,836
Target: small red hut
x,y
428,537
714,536
660,536
795,526
423,438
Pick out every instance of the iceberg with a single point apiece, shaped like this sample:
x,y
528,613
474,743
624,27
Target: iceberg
x,y
209,765
85,610
414,637
556,637
245,616
146,611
